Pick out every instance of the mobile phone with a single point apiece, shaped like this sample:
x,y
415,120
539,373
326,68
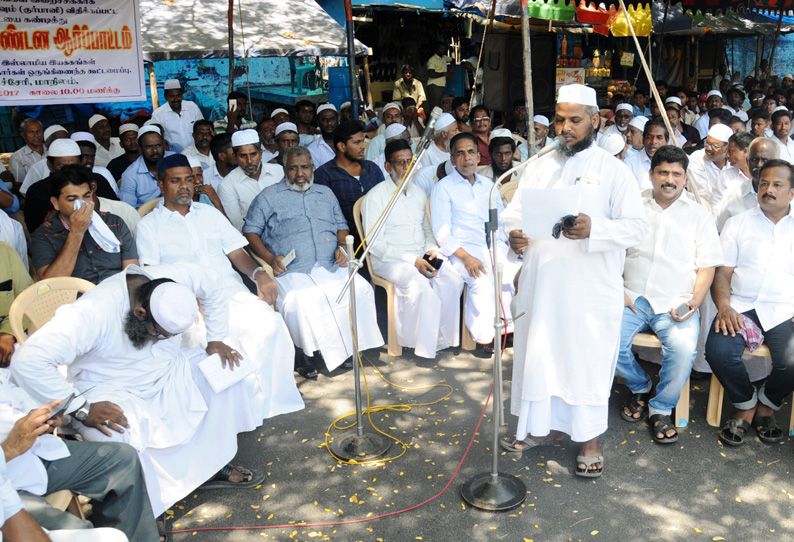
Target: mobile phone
x,y
232,104
64,405
682,310
288,258
435,262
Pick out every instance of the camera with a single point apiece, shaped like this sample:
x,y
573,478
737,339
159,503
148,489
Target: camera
x,y
566,223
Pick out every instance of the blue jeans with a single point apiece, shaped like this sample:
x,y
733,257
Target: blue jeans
x,y
724,354
679,343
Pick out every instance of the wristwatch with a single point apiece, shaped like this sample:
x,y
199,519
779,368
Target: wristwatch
x,y
82,413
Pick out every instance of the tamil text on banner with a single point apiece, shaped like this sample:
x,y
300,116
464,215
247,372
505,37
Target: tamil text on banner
x,y
70,51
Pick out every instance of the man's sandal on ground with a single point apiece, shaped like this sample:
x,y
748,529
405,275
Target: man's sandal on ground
x,y
588,461
662,424
512,444
634,407
251,478
734,432
768,429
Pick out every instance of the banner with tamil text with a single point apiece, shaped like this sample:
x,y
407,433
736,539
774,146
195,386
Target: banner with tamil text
x,y
70,51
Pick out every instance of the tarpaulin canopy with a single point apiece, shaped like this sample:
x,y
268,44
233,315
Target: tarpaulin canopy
x,y
180,29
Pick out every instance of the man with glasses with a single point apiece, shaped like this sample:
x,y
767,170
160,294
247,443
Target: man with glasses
x,y
481,128
428,292
706,164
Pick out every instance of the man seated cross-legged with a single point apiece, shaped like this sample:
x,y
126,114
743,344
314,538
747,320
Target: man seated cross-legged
x,y
666,278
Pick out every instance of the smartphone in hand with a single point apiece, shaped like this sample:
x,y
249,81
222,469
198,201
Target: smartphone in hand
x,y
62,409
682,310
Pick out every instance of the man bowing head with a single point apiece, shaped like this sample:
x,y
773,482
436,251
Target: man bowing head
x,y
570,289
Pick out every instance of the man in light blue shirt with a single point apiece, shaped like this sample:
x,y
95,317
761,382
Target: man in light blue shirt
x,y
459,209
138,182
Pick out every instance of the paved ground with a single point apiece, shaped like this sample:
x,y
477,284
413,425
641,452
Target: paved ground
x,y
695,489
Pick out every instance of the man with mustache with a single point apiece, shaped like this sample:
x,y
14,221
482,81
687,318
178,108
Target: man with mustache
x,y
250,177
203,133
446,128
754,294
566,343
706,164
781,129
298,215
654,136
176,116
138,182
666,278
737,171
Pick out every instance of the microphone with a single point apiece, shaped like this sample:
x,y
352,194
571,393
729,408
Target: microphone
x,y
430,127
553,145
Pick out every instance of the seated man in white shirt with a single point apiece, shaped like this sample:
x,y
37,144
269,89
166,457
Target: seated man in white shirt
x,y
706,164
428,297
121,345
446,128
666,278
181,230
634,137
36,463
242,185
502,148
459,209
623,114
738,170
203,133
322,148
300,218
107,148
754,294
781,130
654,136
392,113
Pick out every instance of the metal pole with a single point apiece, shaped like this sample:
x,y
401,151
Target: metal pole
x,y
498,411
351,57
661,38
528,95
354,330
231,45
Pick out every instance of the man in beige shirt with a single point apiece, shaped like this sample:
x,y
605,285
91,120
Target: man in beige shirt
x,y
408,87
439,68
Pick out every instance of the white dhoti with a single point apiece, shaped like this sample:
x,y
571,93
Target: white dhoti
x,y
428,310
317,322
480,294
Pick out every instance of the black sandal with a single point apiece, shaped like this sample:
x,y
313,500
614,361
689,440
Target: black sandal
x,y
734,432
662,423
222,480
161,530
634,407
767,429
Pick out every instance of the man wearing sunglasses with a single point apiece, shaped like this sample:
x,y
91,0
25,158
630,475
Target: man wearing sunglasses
x,y
481,128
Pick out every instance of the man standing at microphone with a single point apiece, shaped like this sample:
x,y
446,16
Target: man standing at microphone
x,y
570,289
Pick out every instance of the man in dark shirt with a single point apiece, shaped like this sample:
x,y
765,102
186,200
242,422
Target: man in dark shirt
x,y
128,139
80,243
348,175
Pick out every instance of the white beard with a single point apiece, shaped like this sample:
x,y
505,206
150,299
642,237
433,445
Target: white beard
x,y
297,188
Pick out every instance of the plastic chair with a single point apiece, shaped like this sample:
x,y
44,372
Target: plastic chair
x,y
717,394
392,346
148,207
297,73
649,340
507,190
466,342
39,302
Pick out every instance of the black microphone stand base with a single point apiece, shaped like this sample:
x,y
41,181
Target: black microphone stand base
x,y
499,495
365,447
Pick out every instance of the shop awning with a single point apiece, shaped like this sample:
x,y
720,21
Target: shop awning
x,y
180,29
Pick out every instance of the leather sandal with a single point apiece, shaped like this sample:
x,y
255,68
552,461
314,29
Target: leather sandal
x,y
768,429
662,423
634,407
734,431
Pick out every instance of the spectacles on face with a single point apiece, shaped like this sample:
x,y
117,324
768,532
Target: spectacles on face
x,y
400,163
713,146
481,119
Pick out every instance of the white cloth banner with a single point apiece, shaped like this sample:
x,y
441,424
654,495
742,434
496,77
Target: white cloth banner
x,y
70,51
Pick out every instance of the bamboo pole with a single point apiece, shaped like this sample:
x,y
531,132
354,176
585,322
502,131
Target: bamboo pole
x,y
351,57
153,86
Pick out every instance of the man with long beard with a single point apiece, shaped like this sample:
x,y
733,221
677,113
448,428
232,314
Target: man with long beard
x,y
566,343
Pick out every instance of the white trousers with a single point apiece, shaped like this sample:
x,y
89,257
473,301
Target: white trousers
x,y
480,294
428,310
102,534
317,322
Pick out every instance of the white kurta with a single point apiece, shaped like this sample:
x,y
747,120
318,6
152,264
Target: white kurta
x,y
183,431
178,126
237,190
428,310
433,156
566,343
704,174
104,156
205,237
640,166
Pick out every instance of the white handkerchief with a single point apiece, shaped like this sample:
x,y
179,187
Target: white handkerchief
x,y
543,208
221,378
100,232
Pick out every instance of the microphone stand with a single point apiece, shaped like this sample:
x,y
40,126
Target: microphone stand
x,y
495,491
360,445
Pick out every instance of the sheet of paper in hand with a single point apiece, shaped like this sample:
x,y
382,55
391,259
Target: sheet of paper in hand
x,y
543,208
221,377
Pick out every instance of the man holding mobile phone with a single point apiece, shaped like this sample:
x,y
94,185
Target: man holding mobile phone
x,y
666,278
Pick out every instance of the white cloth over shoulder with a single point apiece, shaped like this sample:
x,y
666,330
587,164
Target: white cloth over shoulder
x,y
571,291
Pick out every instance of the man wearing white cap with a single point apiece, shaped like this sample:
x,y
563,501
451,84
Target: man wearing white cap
x,y
566,342
200,148
181,230
781,128
428,292
177,116
280,115
713,101
623,114
128,139
107,148
39,170
392,113
286,136
614,144
138,182
541,124
121,346
706,164
634,136
32,133
445,129
654,136
321,148
241,186
502,148
88,146
393,133
300,217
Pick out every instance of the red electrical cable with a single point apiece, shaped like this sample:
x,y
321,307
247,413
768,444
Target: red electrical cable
x,y
364,520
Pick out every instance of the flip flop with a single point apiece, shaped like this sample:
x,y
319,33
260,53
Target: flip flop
x,y
512,444
257,477
734,432
768,429
588,461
